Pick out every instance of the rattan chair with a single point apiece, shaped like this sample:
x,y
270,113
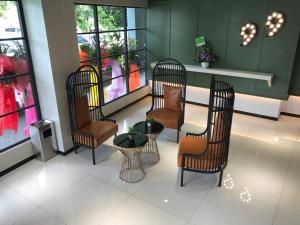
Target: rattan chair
x,y
168,73
88,125
207,152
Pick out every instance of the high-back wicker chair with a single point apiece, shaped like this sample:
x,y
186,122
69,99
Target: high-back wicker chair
x,y
89,126
207,152
171,75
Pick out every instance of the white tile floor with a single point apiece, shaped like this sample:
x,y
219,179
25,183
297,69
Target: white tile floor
x,y
261,183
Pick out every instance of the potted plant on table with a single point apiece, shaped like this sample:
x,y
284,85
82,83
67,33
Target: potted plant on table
x,y
206,57
149,122
131,132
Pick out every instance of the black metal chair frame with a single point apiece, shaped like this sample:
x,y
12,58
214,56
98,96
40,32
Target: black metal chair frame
x,y
78,85
171,72
221,102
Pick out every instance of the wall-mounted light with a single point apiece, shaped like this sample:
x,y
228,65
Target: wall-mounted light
x,y
274,23
248,32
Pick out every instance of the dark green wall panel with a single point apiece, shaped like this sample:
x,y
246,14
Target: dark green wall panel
x,y
174,24
183,31
213,24
247,57
278,52
158,32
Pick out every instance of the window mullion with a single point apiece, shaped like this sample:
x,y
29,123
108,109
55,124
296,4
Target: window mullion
x,y
98,49
127,71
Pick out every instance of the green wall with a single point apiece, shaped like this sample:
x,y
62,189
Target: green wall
x,y
174,24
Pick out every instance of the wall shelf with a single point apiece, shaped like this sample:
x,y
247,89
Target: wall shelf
x,y
228,72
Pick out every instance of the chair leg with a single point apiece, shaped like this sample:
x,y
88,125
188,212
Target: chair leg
x,y
94,161
181,182
75,149
220,178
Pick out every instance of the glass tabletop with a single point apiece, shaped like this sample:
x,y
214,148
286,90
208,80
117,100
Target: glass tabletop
x,y
142,127
123,141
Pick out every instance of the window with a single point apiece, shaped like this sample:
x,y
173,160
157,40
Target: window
x,y
18,106
113,40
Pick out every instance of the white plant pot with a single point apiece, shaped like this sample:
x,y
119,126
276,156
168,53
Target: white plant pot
x,y
204,64
130,136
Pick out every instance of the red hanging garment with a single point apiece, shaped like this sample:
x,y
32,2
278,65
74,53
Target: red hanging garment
x,y
7,96
6,65
134,79
8,104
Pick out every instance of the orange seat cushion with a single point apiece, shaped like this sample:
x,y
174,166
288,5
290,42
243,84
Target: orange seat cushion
x,y
191,145
196,146
169,118
172,97
101,131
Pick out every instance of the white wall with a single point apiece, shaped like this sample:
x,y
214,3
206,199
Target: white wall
x,y
15,155
246,103
292,105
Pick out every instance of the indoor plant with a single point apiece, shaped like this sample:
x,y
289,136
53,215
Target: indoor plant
x,y
149,122
131,132
206,57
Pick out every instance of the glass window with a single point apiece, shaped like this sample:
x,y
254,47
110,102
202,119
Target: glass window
x,y
136,18
84,18
111,18
17,102
113,40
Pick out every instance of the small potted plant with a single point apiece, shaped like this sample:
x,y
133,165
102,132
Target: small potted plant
x,y
206,57
149,122
131,132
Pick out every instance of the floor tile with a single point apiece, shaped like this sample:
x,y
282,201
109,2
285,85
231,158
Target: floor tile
x,y
31,164
260,185
13,206
290,198
222,208
88,202
138,212
294,167
40,184
83,159
284,217
39,217
261,168
164,190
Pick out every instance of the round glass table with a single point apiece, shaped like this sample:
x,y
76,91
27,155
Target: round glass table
x,y
132,169
150,154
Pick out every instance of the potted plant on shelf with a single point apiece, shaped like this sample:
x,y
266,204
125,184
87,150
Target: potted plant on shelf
x,y
206,57
131,132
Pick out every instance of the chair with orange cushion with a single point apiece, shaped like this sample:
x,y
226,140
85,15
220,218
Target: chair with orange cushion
x,y
207,152
88,125
168,94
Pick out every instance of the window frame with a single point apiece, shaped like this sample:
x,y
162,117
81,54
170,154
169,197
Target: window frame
x,y
30,73
98,59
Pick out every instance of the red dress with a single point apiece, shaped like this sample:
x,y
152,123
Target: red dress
x,y
8,104
7,97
